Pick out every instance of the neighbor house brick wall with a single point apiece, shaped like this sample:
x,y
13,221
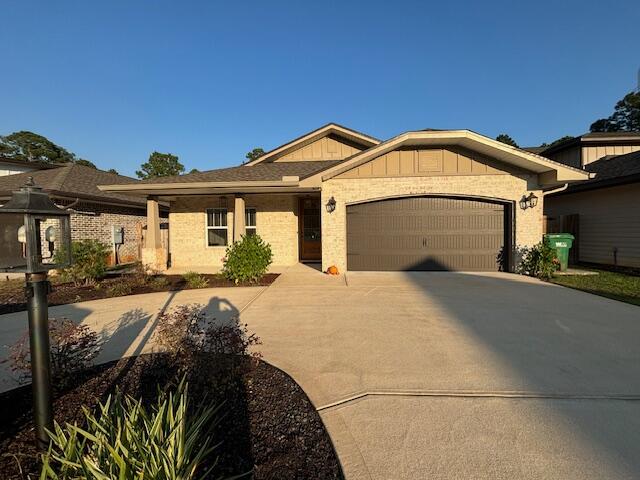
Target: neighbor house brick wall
x,y
276,219
528,222
92,221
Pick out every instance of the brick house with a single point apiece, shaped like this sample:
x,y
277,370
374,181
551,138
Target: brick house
x,y
94,213
423,200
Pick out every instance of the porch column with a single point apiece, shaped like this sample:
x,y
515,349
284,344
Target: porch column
x,y
238,218
153,224
154,256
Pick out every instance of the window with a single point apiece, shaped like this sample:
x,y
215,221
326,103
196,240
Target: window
x,y
217,230
250,221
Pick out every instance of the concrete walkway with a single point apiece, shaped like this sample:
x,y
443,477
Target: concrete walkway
x,y
126,323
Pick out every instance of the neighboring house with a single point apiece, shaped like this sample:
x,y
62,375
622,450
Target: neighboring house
x,y
423,200
581,151
602,213
9,166
94,213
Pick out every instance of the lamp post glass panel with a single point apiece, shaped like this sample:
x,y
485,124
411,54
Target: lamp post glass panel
x,y
32,230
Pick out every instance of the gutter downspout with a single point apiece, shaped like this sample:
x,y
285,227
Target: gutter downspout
x,y
555,190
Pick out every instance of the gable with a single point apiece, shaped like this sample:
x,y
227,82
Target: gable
x,y
330,147
330,142
427,162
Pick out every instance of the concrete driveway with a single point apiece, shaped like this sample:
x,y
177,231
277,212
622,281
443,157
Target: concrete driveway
x,y
430,375
452,375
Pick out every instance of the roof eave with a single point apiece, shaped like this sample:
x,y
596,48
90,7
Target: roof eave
x,y
200,188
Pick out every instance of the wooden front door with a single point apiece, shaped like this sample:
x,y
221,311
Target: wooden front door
x,y
310,229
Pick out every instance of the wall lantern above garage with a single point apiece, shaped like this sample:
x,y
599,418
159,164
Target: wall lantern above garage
x,y
331,205
528,201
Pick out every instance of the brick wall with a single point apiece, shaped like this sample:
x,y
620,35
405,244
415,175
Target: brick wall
x,y
276,219
528,222
94,221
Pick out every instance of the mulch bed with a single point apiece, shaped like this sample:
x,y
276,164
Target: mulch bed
x,y
12,298
269,424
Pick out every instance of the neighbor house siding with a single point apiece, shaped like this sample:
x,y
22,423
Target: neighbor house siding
x,y
276,220
528,222
570,156
325,148
609,223
12,169
591,154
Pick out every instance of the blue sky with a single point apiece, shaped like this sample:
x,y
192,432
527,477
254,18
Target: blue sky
x,y
208,81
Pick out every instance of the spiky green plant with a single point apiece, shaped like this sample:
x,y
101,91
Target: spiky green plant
x,y
195,280
124,440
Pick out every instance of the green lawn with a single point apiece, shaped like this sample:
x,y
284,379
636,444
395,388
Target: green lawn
x,y
618,286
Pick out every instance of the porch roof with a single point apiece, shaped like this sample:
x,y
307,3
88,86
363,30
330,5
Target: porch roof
x,y
264,177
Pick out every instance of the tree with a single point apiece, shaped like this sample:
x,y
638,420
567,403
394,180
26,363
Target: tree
x,y
556,142
31,147
625,116
113,170
253,154
160,165
194,170
86,163
504,138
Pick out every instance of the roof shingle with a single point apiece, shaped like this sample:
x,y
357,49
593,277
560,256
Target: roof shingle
x,y
73,181
259,172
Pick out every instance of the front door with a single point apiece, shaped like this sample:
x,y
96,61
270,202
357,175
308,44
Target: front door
x,y
310,230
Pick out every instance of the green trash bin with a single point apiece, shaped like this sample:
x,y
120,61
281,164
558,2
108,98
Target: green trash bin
x,y
562,242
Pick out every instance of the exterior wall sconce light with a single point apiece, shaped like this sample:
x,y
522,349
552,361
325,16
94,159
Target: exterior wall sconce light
x,y
528,201
32,229
331,205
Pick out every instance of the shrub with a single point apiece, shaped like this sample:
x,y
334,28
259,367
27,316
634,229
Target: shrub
x,y
539,261
73,349
247,260
124,439
89,262
195,280
186,331
158,283
120,289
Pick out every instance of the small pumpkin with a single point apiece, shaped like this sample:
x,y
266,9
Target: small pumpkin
x,y
332,270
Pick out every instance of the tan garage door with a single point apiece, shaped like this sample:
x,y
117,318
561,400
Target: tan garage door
x,y
426,233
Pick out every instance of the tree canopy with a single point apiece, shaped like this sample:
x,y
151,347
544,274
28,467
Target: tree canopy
x,y
31,147
625,116
160,165
253,154
556,142
504,138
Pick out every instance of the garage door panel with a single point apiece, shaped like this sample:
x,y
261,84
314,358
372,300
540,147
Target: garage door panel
x,y
425,233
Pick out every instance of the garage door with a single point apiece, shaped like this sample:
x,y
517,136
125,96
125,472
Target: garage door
x,y
426,233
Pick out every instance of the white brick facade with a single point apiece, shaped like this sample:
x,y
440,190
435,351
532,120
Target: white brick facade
x,y
528,223
276,221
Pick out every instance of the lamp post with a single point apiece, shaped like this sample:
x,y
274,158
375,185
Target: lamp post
x,y
32,228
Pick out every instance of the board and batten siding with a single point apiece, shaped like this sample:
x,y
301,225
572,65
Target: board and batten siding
x,y
570,156
425,163
609,223
325,148
591,154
